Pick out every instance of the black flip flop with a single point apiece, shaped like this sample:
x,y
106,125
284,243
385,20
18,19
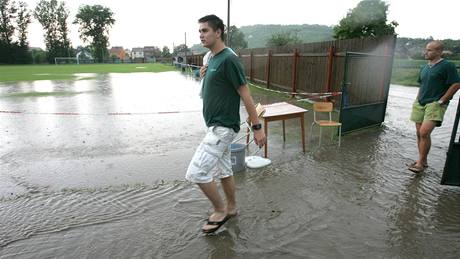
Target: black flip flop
x,y
417,169
215,223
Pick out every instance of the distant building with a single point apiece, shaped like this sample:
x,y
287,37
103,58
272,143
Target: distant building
x,y
151,53
119,52
128,53
180,57
137,53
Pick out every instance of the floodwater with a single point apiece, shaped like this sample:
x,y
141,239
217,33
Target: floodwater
x,y
94,169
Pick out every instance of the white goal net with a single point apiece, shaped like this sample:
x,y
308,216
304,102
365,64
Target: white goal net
x,y
66,60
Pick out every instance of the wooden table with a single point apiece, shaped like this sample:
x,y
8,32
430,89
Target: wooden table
x,y
283,111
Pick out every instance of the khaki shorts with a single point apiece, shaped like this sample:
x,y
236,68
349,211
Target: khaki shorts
x,y
428,112
212,153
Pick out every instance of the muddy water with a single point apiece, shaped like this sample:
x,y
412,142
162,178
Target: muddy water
x,y
96,185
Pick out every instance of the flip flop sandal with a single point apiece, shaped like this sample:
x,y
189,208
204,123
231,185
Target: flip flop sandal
x,y
417,169
218,224
414,163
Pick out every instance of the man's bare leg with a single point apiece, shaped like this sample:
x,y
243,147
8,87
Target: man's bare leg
x,y
210,190
424,141
228,184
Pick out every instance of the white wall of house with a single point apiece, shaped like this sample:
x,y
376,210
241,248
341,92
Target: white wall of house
x,y
137,53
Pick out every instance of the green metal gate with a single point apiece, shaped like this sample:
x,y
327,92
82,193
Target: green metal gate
x,y
451,174
364,92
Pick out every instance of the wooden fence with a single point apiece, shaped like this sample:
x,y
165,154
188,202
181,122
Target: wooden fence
x,y
358,69
364,65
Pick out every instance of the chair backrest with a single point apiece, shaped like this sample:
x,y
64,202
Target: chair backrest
x,y
322,107
260,110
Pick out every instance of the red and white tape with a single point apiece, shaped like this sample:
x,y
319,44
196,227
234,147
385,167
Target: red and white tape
x,y
109,113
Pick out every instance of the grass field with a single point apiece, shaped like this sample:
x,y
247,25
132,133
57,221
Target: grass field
x,y
58,72
405,71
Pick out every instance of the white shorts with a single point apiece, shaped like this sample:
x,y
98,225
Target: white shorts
x,y
213,151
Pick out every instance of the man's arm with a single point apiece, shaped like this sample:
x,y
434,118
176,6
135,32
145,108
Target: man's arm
x,y
450,92
245,94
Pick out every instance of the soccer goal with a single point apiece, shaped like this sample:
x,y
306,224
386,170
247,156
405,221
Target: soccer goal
x,y
66,60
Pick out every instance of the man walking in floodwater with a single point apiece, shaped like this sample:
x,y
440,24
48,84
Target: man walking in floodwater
x,y
224,84
439,80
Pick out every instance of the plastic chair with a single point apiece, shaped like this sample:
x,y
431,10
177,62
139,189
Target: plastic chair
x,y
324,107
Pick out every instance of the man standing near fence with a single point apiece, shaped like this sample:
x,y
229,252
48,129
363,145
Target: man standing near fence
x,y
223,87
439,80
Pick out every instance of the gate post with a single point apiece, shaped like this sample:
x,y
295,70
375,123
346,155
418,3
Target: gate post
x,y
251,70
267,72
294,70
330,60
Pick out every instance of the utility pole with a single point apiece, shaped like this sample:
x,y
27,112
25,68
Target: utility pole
x,y
185,48
228,23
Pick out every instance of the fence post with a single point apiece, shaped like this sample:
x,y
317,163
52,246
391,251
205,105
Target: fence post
x,y
294,70
330,60
267,72
251,70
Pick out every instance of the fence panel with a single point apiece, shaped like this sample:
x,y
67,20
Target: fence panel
x,y
329,66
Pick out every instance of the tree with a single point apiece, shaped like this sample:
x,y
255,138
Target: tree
x,y
237,39
282,39
180,48
61,19
23,21
165,52
95,22
12,51
38,56
53,17
7,16
155,52
367,19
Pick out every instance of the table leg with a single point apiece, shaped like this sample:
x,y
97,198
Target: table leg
x,y
302,128
284,131
247,135
266,135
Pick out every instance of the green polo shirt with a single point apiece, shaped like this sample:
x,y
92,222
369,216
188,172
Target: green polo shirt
x,y
436,80
221,101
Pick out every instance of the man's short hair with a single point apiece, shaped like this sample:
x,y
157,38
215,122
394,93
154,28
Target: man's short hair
x,y
215,23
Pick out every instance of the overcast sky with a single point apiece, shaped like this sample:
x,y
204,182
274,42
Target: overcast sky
x,y
164,22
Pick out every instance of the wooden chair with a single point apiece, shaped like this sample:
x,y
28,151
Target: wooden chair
x,y
324,107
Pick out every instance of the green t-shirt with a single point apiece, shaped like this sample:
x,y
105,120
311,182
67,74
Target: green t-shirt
x,y
436,80
221,101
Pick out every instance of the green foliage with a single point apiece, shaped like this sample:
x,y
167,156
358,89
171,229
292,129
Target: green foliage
x,y
38,56
236,38
7,15
198,48
14,19
165,52
95,21
152,52
283,38
413,48
367,19
24,18
405,71
53,18
258,35
180,48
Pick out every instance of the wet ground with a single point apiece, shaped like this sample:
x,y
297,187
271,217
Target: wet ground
x,y
94,169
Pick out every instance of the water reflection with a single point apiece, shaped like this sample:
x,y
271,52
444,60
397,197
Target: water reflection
x,y
100,185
